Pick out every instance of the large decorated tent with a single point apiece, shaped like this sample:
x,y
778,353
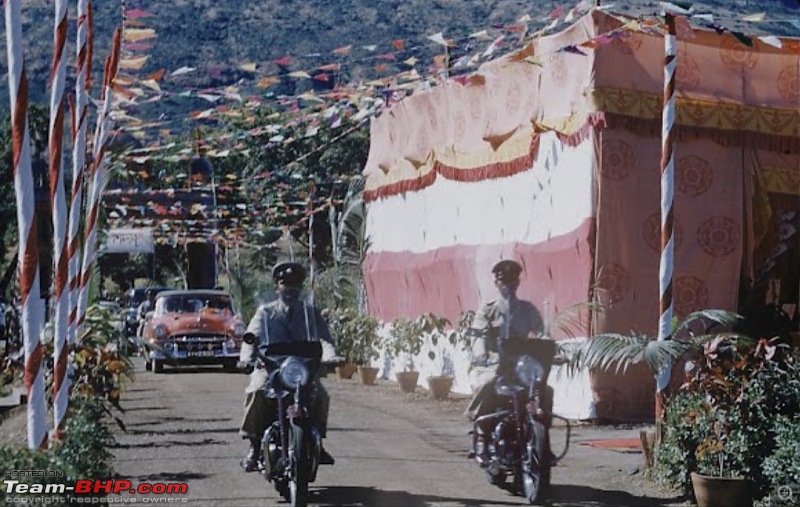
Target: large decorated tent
x,y
551,156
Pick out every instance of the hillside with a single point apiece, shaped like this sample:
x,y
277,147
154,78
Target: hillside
x,y
218,37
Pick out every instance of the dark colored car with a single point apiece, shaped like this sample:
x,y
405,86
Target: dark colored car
x,y
133,298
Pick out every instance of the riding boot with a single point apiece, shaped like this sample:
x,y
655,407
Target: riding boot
x,y
324,456
250,460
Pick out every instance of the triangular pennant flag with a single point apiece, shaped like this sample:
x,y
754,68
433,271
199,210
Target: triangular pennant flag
x,y
182,71
371,47
771,40
137,34
398,44
438,38
342,50
157,75
331,67
134,63
483,34
411,61
744,39
321,77
265,82
248,67
284,62
386,56
300,74
754,18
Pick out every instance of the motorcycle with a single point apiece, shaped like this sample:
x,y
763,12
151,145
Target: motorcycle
x,y
515,440
291,445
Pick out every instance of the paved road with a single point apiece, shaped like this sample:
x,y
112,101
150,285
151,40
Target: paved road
x,y
182,425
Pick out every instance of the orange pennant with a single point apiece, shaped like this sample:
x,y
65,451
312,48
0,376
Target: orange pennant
x,y
342,50
157,75
398,44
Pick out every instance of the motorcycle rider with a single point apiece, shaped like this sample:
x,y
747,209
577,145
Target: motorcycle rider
x,y
289,318
498,322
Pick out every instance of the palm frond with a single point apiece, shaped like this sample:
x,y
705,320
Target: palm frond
x,y
573,318
722,317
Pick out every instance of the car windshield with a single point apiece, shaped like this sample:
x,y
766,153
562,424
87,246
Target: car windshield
x,y
193,303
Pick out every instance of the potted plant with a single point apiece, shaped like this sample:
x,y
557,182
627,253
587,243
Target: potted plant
x,y
435,326
723,429
404,343
357,341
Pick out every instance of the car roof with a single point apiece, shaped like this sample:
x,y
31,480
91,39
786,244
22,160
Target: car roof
x,y
145,289
193,292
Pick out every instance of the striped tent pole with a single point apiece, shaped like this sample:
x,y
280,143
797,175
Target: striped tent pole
x,y
667,216
78,160
32,306
97,175
58,203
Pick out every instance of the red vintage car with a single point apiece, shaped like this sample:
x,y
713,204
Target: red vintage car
x,y
193,327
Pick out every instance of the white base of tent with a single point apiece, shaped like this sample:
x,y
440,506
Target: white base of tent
x,y
573,394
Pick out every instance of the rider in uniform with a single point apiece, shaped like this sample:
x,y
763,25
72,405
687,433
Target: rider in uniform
x,y
498,322
287,319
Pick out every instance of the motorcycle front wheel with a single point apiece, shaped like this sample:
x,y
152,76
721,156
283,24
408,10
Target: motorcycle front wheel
x,y
298,484
536,466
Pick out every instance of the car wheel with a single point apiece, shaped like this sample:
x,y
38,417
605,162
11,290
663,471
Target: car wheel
x,y
148,366
229,365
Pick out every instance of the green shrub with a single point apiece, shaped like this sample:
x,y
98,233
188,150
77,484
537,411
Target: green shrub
x,y
83,454
781,468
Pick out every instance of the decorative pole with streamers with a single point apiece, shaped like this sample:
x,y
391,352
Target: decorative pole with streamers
x,y
667,215
59,208
32,306
81,113
97,175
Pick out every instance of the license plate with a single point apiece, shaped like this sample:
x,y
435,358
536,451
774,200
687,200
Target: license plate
x,y
200,353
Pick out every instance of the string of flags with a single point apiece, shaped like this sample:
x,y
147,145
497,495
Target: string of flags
x,y
327,102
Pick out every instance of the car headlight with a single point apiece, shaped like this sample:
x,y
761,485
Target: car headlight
x,y
529,370
238,329
160,331
294,373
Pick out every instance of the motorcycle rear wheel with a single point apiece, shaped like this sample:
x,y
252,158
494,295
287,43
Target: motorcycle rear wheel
x,y
536,478
298,484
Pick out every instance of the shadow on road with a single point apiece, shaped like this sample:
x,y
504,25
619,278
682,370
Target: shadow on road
x,y
170,477
169,419
577,496
178,370
183,431
584,496
350,496
170,443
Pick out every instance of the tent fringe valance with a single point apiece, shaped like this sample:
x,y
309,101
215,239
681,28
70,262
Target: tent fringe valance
x,y
494,170
746,139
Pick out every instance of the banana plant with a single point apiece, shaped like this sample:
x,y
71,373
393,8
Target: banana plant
x,y
351,244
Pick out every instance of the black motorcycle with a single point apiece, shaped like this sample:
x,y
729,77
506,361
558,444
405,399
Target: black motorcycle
x,y
291,446
516,439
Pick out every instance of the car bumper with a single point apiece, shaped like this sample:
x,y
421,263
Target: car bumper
x,y
189,351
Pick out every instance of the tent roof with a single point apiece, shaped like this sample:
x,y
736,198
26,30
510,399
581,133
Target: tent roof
x,y
605,69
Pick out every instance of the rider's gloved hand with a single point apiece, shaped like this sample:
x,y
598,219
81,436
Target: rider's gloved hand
x,y
245,366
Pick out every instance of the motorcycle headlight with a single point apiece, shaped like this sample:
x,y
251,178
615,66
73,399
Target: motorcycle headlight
x,y
529,370
160,331
238,329
294,373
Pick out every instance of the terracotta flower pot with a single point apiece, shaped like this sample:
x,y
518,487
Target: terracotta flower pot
x,y
721,491
346,371
440,386
367,375
407,380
